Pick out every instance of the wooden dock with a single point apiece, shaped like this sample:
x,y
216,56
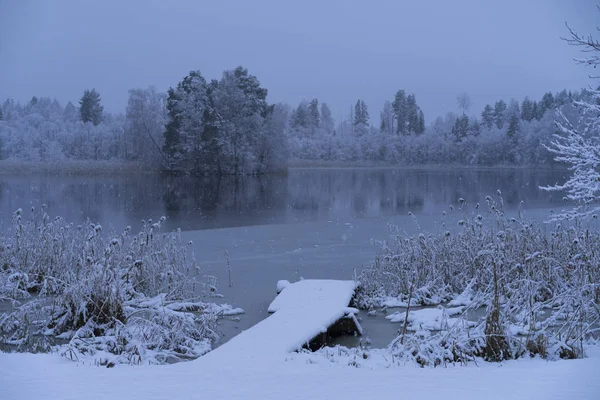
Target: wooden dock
x,y
305,314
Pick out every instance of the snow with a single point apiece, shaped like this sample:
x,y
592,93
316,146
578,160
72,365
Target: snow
x,y
391,302
428,318
301,376
301,311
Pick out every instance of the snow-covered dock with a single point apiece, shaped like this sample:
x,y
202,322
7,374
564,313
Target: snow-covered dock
x,y
303,312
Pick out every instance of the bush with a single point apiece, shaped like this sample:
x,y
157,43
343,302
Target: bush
x,y
541,289
131,298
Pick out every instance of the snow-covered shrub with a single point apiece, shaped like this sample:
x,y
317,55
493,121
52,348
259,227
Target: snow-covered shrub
x,y
541,289
137,296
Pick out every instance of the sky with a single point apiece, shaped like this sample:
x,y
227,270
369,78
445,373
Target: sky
x,y
336,51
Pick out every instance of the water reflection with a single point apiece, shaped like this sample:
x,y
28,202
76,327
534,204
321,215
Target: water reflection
x,y
302,195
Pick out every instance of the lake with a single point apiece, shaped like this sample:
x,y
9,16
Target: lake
x,y
311,223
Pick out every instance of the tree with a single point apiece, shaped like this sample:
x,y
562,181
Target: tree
x,y
513,126
314,116
464,102
527,110
487,116
1,114
70,113
146,118
400,111
412,114
421,124
387,119
460,128
90,108
499,109
581,152
300,116
327,123
361,114
185,110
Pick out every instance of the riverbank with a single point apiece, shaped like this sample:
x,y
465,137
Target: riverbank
x,y
81,167
75,167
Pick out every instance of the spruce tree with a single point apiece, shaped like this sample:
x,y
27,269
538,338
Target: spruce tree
x,y
460,128
421,126
499,109
90,108
399,107
513,126
487,116
314,116
527,113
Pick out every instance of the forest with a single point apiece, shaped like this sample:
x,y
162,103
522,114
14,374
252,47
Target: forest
x,y
227,126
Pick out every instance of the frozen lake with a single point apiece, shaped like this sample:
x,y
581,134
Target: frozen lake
x,y
314,223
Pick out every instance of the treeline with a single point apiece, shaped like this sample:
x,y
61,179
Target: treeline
x,y
223,126
226,126
510,133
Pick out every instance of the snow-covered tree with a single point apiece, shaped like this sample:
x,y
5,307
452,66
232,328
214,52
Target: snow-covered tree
x,y
146,118
487,116
499,109
580,147
90,107
327,123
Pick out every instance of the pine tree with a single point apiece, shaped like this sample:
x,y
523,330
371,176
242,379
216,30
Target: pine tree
x,y
300,116
412,114
487,116
513,126
460,128
536,111
361,114
315,118
547,103
90,108
399,107
527,113
499,109
387,118
327,122
421,126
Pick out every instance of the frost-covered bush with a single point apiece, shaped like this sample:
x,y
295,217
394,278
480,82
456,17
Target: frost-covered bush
x,y
135,296
541,289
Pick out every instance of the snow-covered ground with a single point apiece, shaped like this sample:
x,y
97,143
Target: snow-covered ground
x,y
300,376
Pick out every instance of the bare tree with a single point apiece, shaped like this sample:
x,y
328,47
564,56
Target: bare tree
x,y
464,102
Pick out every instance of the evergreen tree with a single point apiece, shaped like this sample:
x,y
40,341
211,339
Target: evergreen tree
x,y
1,114
315,118
387,119
460,128
90,108
361,114
327,122
421,125
547,103
399,107
527,111
487,116
499,109
300,116
536,111
412,114
513,126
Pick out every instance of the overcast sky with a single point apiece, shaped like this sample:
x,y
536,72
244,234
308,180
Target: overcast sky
x,y
337,51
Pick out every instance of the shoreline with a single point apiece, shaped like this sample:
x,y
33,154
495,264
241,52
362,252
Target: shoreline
x,y
80,167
